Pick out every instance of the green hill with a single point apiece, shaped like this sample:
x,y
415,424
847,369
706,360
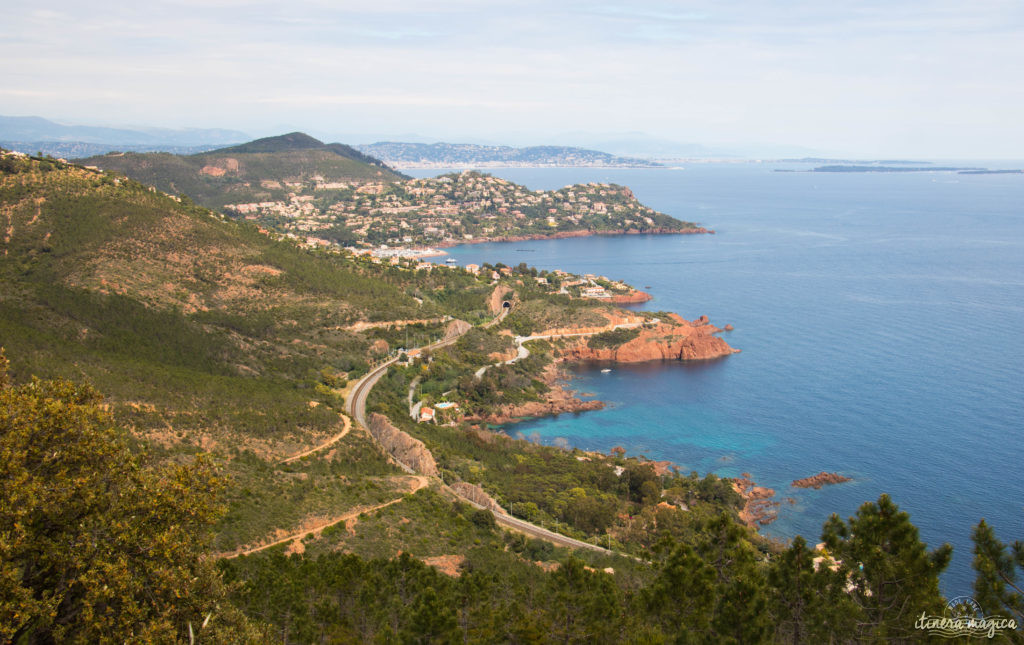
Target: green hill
x,y
257,171
206,335
105,278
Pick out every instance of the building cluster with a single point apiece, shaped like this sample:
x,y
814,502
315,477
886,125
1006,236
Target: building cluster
x,y
450,208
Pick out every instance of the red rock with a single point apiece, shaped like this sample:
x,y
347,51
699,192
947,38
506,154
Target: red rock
x,y
634,297
819,480
675,340
758,509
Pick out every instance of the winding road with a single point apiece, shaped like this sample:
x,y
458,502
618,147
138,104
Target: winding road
x,y
356,406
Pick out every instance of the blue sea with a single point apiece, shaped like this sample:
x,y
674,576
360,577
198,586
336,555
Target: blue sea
x,y
881,323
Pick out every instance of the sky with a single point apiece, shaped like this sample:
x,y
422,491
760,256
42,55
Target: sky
x,y
893,78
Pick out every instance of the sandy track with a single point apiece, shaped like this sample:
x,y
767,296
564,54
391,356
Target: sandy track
x,y
419,482
333,440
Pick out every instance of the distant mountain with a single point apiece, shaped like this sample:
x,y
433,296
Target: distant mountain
x,y
448,155
32,134
38,129
256,171
78,149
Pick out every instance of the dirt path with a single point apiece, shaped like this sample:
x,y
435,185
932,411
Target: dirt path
x,y
316,529
333,440
361,326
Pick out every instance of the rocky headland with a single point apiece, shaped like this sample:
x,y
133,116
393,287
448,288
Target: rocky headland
x,y
758,509
672,339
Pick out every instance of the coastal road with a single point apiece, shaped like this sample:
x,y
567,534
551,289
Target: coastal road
x,y
356,406
542,533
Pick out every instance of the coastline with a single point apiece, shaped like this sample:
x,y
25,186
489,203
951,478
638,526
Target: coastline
x,y
493,165
675,339
559,399
561,235
438,249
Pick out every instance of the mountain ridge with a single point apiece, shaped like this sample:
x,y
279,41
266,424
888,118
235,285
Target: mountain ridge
x,y
39,129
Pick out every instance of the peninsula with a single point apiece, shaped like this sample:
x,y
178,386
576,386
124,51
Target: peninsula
x,y
332,195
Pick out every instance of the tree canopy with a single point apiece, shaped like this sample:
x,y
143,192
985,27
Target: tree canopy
x,y
96,545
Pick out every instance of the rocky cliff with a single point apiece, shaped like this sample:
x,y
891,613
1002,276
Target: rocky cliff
x,y
477,495
401,446
671,339
456,328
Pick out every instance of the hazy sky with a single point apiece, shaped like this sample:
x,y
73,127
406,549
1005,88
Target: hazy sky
x,y
890,78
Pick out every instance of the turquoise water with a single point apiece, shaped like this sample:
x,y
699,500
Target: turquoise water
x,y
881,318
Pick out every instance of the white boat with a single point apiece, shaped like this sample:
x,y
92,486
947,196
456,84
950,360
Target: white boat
x,y
606,370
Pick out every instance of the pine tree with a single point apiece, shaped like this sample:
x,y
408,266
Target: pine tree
x,y
996,588
809,601
892,575
682,597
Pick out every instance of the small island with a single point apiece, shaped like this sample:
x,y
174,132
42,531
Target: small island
x,y
821,479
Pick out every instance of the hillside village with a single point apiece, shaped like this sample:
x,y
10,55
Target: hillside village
x,y
453,208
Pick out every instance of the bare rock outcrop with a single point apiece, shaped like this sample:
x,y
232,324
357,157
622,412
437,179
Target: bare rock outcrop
x,y
456,328
758,507
406,449
477,495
